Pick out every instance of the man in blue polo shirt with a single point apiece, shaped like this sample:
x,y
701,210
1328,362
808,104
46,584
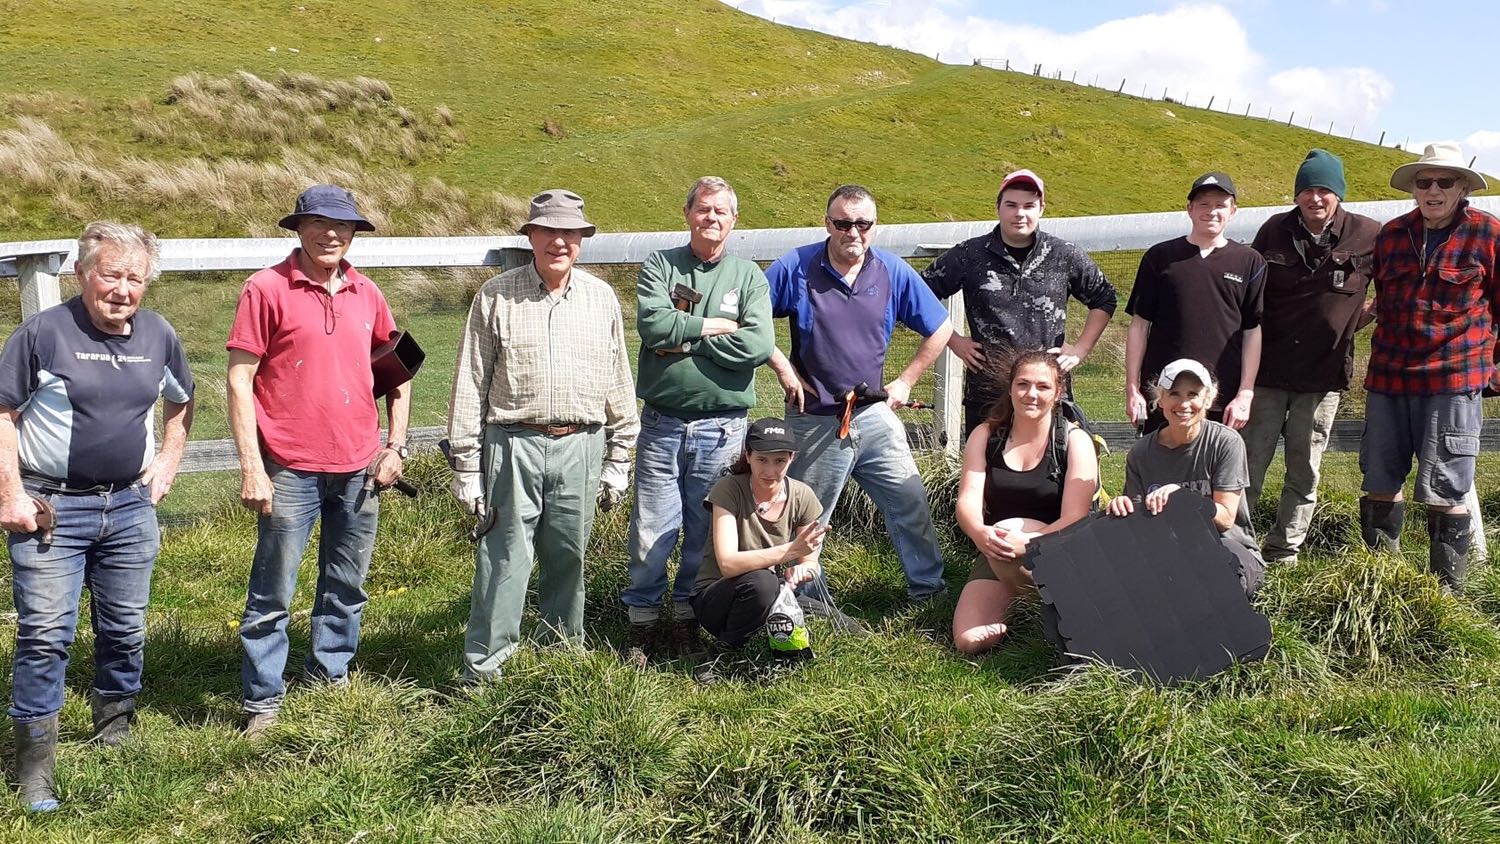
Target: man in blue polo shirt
x,y
844,299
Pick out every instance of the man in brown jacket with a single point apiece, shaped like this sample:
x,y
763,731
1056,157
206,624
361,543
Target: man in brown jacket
x,y
1318,260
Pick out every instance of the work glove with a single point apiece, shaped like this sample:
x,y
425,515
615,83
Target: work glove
x,y
468,488
613,481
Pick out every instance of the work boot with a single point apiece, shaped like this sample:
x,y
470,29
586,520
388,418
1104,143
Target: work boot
x,y
645,644
1448,548
706,663
36,760
112,719
257,724
1380,524
684,638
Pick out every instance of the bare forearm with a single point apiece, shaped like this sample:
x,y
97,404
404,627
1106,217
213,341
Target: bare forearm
x,y
242,427
1135,351
398,413
739,562
176,423
10,461
1249,360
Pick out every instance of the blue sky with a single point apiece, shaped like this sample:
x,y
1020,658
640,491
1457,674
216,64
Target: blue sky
x,y
1365,67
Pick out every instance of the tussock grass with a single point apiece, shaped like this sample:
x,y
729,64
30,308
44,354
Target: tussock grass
x,y
227,155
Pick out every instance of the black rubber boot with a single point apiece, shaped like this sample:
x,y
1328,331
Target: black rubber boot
x,y
1380,524
112,719
36,760
1448,551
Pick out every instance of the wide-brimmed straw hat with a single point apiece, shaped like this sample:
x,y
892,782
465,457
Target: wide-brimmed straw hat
x,y
329,201
558,208
1443,155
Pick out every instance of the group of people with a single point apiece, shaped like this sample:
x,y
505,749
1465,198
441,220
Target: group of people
x,y
1230,348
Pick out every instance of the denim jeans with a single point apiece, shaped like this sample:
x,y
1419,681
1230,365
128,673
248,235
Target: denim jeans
x,y
877,457
347,540
1303,422
109,542
677,462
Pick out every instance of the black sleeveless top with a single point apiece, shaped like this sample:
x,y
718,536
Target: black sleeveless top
x,y
1033,494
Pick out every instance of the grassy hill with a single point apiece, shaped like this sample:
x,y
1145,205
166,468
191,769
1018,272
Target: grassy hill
x,y
627,102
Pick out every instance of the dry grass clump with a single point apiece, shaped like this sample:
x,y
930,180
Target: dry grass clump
x,y
281,135
359,116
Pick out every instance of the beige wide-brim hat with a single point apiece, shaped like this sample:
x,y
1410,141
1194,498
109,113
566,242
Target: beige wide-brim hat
x,y
1442,155
558,208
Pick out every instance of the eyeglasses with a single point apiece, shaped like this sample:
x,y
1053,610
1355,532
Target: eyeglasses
x,y
1445,183
845,225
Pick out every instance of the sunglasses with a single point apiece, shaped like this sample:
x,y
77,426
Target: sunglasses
x,y
1444,183
845,225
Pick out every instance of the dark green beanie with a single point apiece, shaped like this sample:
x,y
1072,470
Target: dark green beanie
x,y
1321,169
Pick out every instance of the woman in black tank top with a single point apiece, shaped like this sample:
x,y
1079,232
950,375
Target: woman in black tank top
x,y
1014,487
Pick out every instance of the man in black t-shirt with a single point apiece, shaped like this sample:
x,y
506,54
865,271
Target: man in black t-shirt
x,y
1198,297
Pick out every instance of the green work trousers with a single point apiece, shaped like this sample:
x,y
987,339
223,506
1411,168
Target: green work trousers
x,y
543,490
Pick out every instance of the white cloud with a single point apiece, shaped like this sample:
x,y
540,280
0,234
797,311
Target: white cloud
x,y
1485,144
1192,51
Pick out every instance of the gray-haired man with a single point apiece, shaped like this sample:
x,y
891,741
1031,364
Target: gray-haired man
x,y
80,476
704,317
541,423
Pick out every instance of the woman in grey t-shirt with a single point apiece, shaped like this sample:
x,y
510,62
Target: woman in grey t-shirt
x,y
1194,453
762,520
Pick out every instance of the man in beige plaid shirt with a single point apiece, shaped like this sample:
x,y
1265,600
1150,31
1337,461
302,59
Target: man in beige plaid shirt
x,y
541,424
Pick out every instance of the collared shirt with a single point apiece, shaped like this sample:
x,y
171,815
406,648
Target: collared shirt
x,y
87,398
314,389
1315,294
528,356
1017,304
840,332
1435,325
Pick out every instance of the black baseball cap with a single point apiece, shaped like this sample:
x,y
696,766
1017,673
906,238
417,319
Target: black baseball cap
x,y
1214,179
770,434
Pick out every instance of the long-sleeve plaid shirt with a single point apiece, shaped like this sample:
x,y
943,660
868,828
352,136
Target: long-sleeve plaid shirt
x,y
527,357
1436,323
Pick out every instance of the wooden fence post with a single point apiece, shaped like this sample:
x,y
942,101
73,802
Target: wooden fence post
x,y
37,275
948,397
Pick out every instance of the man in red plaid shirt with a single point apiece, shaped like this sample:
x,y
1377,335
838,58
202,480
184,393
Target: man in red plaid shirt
x,y
1437,304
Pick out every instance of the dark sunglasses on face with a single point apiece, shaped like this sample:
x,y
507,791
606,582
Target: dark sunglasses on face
x,y
845,225
1444,183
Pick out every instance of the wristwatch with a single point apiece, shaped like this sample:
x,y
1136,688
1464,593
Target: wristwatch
x,y
401,450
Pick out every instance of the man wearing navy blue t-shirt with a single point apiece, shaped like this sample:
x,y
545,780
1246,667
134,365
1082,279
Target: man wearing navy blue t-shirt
x,y
80,475
844,298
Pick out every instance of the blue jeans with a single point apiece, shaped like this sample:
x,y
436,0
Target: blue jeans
x,y
877,457
344,549
677,462
109,541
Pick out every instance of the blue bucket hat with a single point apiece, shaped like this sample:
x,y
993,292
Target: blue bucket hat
x,y
329,201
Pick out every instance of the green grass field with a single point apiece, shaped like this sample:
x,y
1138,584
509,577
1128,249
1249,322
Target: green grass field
x,y
1375,718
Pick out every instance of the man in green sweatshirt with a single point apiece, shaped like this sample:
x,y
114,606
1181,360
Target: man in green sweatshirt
x,y
704,318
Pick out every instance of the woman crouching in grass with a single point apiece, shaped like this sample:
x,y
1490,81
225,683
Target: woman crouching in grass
x,y
1017,484
1195,453
762,521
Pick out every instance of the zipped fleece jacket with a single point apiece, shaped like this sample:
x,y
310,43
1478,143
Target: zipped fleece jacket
x,y
697,376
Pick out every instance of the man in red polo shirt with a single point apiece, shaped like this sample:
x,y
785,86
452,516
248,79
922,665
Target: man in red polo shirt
x,y
302,412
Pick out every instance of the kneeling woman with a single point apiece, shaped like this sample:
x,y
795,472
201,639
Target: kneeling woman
x,y
1195,453
762,520
1017,484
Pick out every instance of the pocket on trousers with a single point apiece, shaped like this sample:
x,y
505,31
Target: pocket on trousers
x,y
1460,444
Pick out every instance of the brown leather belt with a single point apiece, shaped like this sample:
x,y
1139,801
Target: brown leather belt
x,y
553,429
